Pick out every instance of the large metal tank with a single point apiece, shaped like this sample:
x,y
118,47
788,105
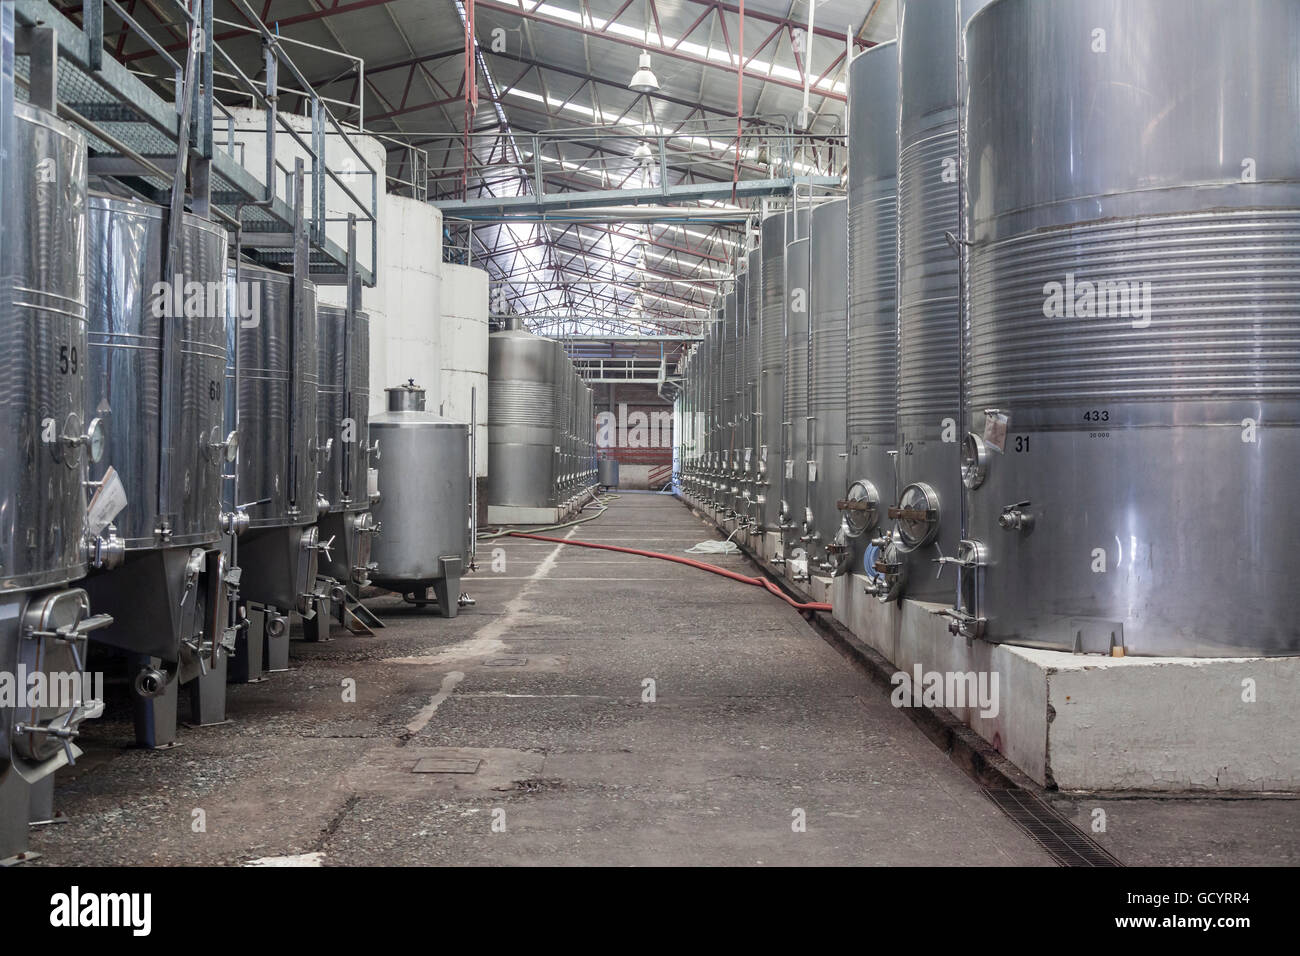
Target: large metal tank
x,y
753,360
44,356
342,429
523,419
164,427
740,385
424,495
589,437
771,368
873,298
1135,333
729,431
794,505
271,398
828,384
43,525
715,374
927,512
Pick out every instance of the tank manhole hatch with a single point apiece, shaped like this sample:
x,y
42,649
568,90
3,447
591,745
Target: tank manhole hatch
x,y
506,662
1062,840
446,765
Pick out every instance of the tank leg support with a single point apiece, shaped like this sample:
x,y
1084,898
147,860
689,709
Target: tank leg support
x,y
276,642
208,693
14,813
246,666
155,717
40,802
317,627
447,587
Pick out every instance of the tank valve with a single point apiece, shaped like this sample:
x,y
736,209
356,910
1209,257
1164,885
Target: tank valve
x,y
1015,518
885,569
149,683
234,522
106,551
275,623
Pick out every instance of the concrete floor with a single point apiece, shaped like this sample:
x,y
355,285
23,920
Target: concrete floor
x,y
755,718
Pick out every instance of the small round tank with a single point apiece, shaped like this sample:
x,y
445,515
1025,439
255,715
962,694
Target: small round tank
x,y
424,495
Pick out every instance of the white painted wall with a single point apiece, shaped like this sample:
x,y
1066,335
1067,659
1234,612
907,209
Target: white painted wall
x,y
465,350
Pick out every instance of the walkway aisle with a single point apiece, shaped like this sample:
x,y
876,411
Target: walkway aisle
x,y
613,709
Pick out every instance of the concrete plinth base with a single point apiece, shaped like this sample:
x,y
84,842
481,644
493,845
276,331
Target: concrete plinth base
x,y
512,515
1088,722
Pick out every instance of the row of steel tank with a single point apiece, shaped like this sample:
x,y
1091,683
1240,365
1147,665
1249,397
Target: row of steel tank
x,y
187,459
1066,395
541,428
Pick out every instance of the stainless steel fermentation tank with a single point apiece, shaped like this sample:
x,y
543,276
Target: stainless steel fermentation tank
x,y
155,366
271,398
927,513
522,419
795,514
751,343
424,495
713,375
730,433
767,298
44,536
1135,320
873,308
342,440
827,385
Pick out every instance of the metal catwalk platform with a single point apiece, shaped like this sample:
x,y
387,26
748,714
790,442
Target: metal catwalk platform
x,y
141,147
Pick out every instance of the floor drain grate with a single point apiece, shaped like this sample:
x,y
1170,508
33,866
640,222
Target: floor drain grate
x,y
1062,840
507,662
446,765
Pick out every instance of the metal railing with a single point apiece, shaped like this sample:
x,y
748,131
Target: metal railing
x,y
196,20
639,156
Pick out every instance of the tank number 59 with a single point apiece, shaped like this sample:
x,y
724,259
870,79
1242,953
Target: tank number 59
x,y
67,359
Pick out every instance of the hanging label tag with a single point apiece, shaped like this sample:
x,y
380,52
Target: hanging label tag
x,y
812,471
748,454
762,454
995,429
789,469
107,504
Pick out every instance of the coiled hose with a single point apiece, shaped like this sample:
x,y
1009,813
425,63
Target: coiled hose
x,y
733,575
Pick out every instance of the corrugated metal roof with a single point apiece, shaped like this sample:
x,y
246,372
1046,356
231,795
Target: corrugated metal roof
x,y
565,64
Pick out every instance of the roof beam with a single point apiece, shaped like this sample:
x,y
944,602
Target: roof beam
x,y
530,12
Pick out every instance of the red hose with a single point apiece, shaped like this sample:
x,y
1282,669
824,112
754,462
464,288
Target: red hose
x,y
744,579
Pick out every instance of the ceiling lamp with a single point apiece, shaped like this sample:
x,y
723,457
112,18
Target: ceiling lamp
x,y
644,79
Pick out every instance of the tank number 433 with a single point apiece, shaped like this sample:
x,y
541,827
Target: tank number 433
x,y
1097,415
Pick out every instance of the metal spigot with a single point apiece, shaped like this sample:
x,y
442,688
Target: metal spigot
x,y
1014,518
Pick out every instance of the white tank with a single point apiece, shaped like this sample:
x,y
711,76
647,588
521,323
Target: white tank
x,y
465,350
